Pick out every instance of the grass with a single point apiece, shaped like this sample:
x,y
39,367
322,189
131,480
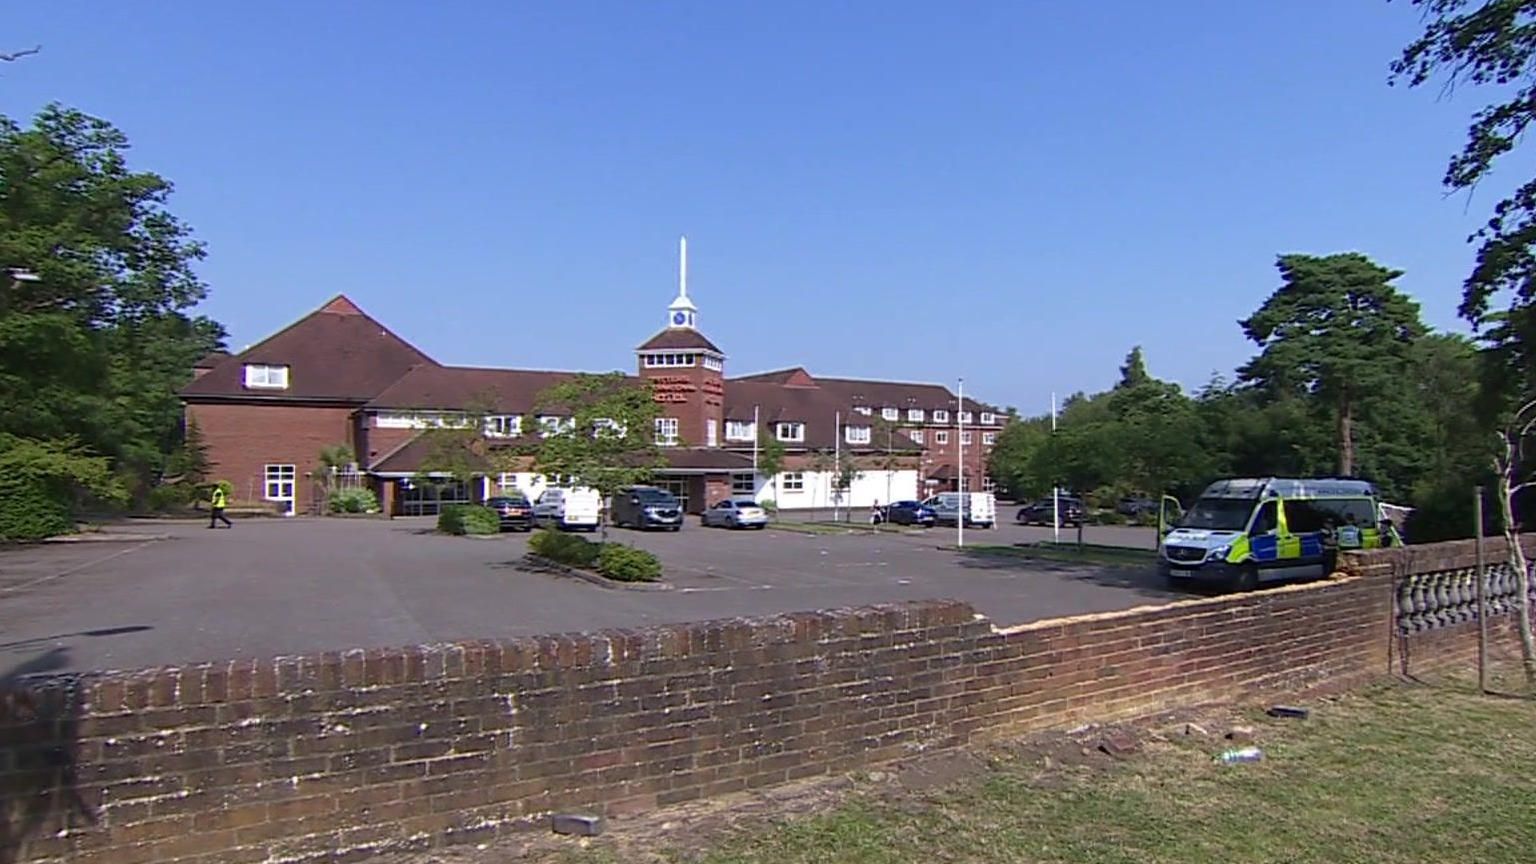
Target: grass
x,y
1395,774
1088,553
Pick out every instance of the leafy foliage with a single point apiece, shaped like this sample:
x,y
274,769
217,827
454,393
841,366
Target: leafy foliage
x,y
609,442
623,563
563,548
40,481
461,519
354,500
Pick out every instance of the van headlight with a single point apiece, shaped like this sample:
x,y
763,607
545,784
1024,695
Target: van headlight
x,y
1218,554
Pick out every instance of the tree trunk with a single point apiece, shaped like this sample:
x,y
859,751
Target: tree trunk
x,y
1522,577
1346,438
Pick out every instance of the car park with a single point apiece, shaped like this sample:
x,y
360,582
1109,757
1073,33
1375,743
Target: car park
x,y
906,513
514,512
644,507
568,509
979,508
735,513
1045,512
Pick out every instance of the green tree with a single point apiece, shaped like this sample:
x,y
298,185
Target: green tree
x,y
1134,372
770,462
1336,331
96,293
609,441
42,481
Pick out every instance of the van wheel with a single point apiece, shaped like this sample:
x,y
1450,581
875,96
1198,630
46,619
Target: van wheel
x,y
1247,579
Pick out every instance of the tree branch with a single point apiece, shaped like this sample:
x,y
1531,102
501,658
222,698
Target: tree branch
x,y
17,55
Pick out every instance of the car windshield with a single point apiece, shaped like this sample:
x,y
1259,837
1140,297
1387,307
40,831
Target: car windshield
x,y
1218,514
741,504
506,500
655,496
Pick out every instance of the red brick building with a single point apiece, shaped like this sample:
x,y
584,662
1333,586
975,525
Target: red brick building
x,y
337,376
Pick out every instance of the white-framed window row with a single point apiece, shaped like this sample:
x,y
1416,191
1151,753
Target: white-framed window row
x,y
666,431
890,414
916,435
989,438
421,420
744,485
507,483
740,430
988,418
792,481
940,416
988,484
863,409
278,482
856,434
713,363
653,361
790,431
552,425
266,376
914,415
965,417
941,436
503,426
965,437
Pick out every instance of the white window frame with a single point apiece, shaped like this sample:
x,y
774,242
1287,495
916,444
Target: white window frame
x,y
713,363
916,435
988,418
550,424
279,480
989,438
965,437
266,376
792,481
863,409
789,430
914,415
666,431
965,417
740,430
711,432
744,484
941,436
614,426
940,415
857,434
890,414
503,426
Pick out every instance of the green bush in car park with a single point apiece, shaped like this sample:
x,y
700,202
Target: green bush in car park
x,y
563,548
480,520
627,564
450,520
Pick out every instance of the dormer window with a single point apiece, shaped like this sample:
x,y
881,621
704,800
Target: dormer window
x,y
889,414
914,415
789,431
940,416
856,434
864,409
261,376
503,426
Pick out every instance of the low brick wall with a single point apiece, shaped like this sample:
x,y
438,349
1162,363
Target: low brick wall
x,y
331,757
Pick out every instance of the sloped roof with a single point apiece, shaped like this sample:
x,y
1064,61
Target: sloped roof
x,y
680,339
873,394
508,391
335,353
816,407
211,359
409,457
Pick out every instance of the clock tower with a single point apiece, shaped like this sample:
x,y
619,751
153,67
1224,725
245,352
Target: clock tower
x,y
686,371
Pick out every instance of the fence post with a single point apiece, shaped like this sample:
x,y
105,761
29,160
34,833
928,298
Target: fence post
x,y
1482,599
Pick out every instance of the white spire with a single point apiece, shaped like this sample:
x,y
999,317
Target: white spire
x,y
682,266
682,312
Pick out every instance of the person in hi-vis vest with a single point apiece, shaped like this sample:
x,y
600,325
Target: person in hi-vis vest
x,y
219,502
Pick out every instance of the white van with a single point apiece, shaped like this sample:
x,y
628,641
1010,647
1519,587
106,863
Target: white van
x,y
570,509
980,508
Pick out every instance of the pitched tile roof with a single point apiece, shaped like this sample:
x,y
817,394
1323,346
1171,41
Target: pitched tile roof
x,y
409,457
334,353
507,391
211,359
874,394
679,340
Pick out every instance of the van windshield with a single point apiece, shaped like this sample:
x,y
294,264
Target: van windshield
x,y
1218,514
655,496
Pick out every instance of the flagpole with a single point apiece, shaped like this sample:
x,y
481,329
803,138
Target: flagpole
x,y
960,461
755,435
837,461
1055,490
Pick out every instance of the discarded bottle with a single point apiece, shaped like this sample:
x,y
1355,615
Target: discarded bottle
x,y
1242,754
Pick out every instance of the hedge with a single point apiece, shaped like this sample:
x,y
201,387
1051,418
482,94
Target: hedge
x,y
356,500
463,519
613,560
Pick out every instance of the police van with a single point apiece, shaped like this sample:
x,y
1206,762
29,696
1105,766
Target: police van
x,y
1245,531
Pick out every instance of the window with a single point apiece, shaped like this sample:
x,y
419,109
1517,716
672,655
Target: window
x,y
988,418
1265,521
655,360
279,482
260,376
711,433
965,416
794,481
890,414
506,483
941,436
713,363
863,409
916,435
790,431
744,484
602,427
1339,511
914,415
965,437
504,426
554,425
666,431
988,484
989,438
740,430
856,434
941,416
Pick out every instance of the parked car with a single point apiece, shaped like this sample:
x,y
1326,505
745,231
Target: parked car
x,y
980,508
735,513
568,509
906,513
1136,506
1041,512
515,512
645,507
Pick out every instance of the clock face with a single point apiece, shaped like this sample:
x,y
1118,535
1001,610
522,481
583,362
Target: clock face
x,y
678,318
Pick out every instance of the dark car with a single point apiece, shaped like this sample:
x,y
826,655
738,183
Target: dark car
x,y
646,507
1041,512
907,513
1136,506
515,512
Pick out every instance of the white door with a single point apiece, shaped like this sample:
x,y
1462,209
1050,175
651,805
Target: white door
x,y
278,485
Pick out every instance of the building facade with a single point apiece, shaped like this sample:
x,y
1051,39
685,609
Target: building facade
x,y
338,377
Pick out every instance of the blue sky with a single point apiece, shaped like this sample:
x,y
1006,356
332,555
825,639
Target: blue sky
x,y
1013,192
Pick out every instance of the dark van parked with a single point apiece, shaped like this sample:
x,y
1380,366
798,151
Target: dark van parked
x,y
646,507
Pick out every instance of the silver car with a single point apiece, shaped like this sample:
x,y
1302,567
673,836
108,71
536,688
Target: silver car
x,y
736,513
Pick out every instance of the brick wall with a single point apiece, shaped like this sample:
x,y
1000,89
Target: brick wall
x,y
244,439
330,757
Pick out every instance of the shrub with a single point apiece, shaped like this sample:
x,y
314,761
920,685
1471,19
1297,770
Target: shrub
x,y
173,497
356,500
40,481
627,564
480,520
564,548
29,512
450,520
770,506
